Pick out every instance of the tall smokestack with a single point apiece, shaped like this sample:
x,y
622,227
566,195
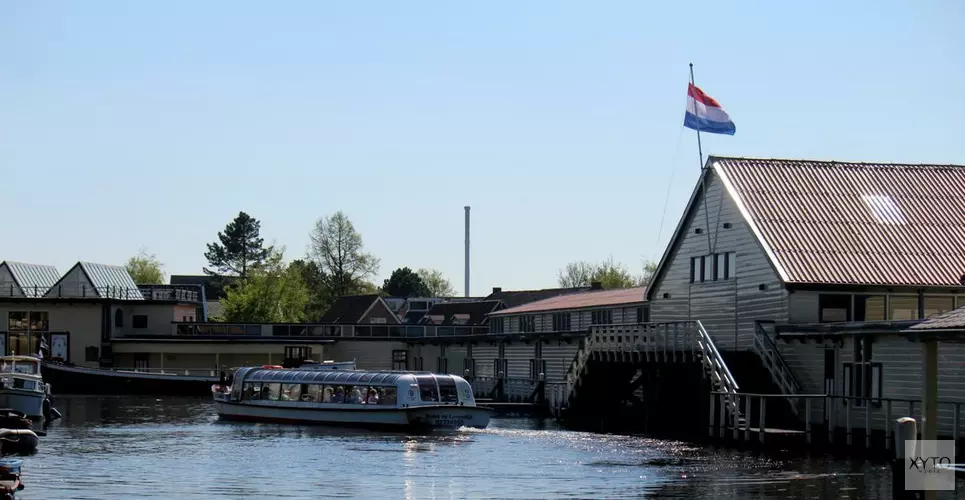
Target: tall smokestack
x,y
467,251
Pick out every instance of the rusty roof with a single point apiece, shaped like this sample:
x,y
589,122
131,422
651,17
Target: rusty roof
x,y
580,300
826,222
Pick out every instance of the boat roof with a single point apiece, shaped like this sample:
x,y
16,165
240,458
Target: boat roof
x,y
288,376
20,357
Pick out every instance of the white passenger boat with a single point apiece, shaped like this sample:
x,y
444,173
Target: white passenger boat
x,y
357,398
22,388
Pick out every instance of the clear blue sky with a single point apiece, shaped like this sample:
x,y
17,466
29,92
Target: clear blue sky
x,y
135,124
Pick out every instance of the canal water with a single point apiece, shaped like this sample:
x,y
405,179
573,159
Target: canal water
x,y
135,448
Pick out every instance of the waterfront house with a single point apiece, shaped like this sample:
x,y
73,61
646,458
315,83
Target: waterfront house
x,y
831,261
360,309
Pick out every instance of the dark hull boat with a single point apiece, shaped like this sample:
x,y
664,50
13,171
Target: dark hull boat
x,y
67,379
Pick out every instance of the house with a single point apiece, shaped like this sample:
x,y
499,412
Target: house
x,y
513,298
474,313
19,279
354,309
830,259
84,311
572,312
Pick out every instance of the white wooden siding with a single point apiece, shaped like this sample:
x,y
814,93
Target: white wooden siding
x,y
727,308
367,355
518,356
558,356
484,354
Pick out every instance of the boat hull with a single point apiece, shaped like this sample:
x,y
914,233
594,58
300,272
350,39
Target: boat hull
x,y
420,417
30,403
78,380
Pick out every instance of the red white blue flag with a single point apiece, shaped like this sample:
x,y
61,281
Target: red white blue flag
x,y
704,113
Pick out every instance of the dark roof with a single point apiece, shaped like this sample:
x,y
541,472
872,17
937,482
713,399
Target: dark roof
x,y
582,300
349,309
950,320
513,298
476,311
825,222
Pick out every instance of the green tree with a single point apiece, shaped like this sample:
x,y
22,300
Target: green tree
x,y
272,293
238,249
336,248
145,269
609,273
314,279
405,283
438,285
649,269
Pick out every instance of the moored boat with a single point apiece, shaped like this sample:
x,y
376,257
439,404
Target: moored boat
x,y
70,379
417,400
22,387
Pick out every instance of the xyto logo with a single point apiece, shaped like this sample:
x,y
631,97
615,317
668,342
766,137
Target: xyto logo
x,y
929,465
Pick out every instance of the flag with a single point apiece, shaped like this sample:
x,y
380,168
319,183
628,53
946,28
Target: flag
x,y
704,114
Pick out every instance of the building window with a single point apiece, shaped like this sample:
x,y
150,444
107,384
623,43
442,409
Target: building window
x,y
38,321
834,307
118,318
561,322
527,324
937,304
869,308
903,307
91,354
496,325
603,317
17,321
713,267
399,360
139,321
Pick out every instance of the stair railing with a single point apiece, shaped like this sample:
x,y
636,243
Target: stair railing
x,y
780,371
576,370
720,373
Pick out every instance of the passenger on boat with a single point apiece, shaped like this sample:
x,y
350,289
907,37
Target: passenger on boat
x,y
327,394
356,396
371,397
339,395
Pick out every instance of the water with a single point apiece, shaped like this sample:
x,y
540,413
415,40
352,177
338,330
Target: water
x,y
120,448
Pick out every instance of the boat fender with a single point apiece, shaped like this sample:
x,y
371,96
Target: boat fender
x,y
54,413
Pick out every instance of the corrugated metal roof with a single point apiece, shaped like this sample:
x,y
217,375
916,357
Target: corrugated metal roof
x,y
34,279
111,281
855,223
581,300
954,319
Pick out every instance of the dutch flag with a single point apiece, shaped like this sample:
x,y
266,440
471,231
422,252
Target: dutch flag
x,y
704,113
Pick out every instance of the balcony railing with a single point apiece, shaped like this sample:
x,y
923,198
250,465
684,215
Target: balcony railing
x,y
842,328
364,330
180,293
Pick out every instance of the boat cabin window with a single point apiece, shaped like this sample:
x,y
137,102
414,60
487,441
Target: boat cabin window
x,y
447,390
427,388
19,367
291,392
19,383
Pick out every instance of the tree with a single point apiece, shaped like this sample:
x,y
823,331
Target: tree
x,y
145,269
405,283
438,285
238,249
609,273
314,281
649,269
272,293
336,248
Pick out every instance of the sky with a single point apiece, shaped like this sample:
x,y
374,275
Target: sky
x,y
150,125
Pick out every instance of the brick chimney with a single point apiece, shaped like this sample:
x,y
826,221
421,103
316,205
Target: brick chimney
x,y
497,289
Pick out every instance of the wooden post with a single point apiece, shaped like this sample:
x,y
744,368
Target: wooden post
x,y
929,409
710,421
747,418
723,416
807,418
760,417
867,424
888,433
847,418
905,442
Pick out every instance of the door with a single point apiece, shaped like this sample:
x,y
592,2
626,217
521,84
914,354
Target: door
x,y
829,359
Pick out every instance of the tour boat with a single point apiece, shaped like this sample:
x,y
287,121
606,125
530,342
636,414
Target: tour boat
x,y
22,387
349,397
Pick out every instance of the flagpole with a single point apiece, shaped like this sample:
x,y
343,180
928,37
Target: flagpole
x,y
700,150
703,183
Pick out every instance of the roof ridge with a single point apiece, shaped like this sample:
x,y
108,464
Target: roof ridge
x,y
834,162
